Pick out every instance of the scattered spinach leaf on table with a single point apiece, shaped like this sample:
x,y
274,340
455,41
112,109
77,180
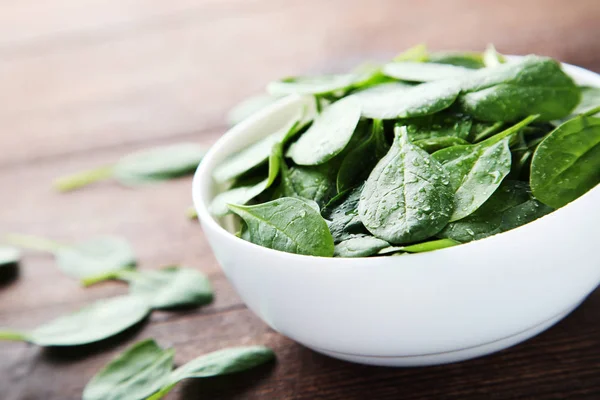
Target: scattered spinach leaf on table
x,y
146,166
95,322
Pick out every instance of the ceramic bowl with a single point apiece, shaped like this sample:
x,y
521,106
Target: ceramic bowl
x,y
421,309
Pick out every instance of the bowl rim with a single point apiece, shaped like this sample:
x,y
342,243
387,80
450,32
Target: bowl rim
x,y
203,180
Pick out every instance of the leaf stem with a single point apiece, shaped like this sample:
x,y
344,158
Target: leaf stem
x,y
591,112
487,132
80,179
509,131
123,274
32,242
7,334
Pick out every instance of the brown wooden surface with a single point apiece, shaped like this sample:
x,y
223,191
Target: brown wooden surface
x,y
85,81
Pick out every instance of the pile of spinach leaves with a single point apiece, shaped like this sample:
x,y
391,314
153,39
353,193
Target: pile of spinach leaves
x,y
428,151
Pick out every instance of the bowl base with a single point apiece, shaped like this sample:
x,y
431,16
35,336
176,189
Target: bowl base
x,y
446,357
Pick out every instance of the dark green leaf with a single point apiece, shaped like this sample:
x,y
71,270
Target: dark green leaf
x,y
312,183
342,215
137,373
401,102
287,224
477,170
533,85
101,320
566,164
438,125
407,197
359,162
329,134
510,206
424,72
222,362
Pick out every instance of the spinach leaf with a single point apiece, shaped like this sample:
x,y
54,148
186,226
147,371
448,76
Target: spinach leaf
x,y
461,59
419,247
359,245
590,99
434,144
238,195
254,154
323,85
424,72
510,206
287,224
169,287
401,102
438,125
534,85
311,183
408,196
342,215
249,106
98,321
477,170
329,134
9,256
222,362
135,374
146,166
360,161
99,255
566,164
491,58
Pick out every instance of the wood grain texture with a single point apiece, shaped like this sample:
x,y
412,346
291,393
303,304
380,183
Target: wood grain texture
x,y
83,82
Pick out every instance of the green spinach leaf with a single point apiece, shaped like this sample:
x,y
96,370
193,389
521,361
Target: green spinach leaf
x,y
287,224
438,125
98,321
402,102
222,362
140,371
141,167
510,206
329,134
434,144
477,170
566,164
360,161
419,247
461,59
99,255
590,99
407,197
534,85
359,245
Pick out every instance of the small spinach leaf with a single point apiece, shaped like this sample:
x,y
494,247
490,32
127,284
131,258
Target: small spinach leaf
x,y
135,374
510,206
311,183
360,161
424,72
401,102
287,224
141,167
566,164
438,125
329,134
477,170
98,321
222,362
359,245
99,255
407,197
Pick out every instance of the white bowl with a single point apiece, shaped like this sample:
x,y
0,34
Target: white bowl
x,y
421,309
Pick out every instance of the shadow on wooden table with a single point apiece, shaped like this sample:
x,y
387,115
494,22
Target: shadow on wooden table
x,y
67,354
225,387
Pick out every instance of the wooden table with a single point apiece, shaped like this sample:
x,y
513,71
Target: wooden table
x,y
83,82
